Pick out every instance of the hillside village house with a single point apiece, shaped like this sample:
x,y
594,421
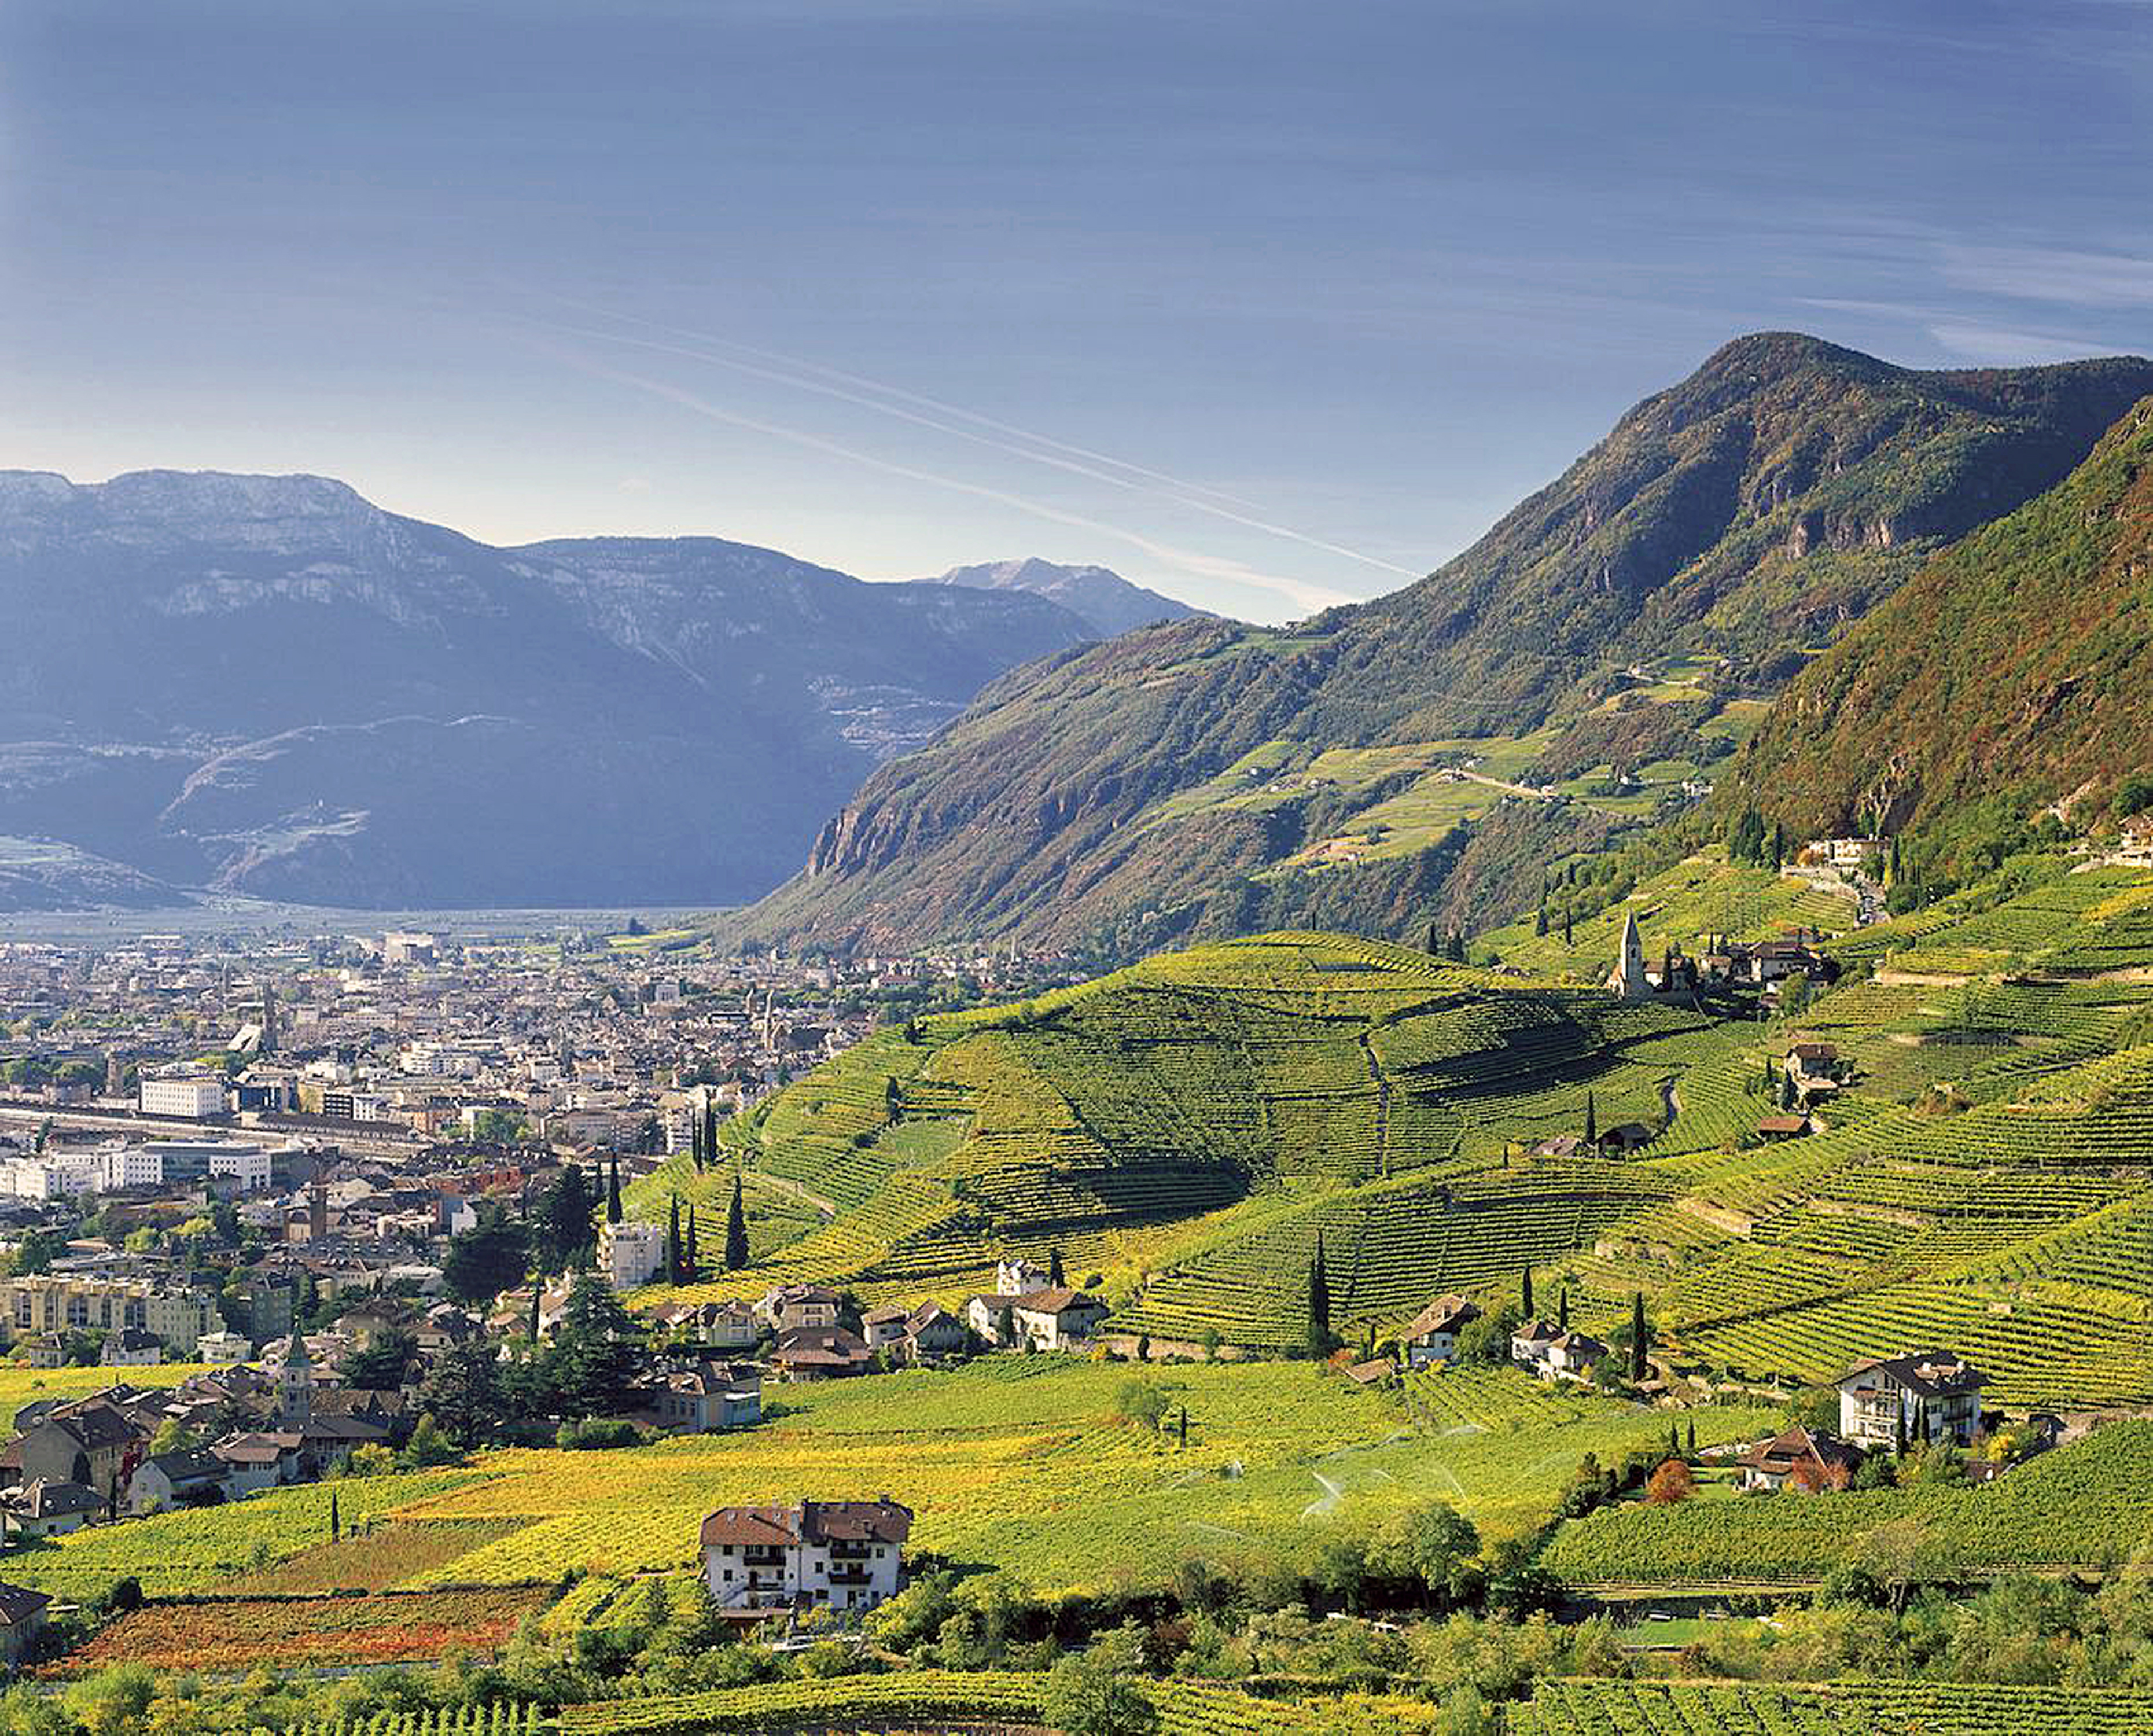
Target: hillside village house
x,y
1925,1395
1554,1354
47,1509
177,1479
1044,1319
799,1305
814,1353
90,1442
717,1325
1806,1460
703,1400
22,1619
931,1333
820,1555
1433,1335
885,1326
1019,1277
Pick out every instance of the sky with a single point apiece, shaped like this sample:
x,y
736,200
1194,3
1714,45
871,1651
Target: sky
x,y
1267,306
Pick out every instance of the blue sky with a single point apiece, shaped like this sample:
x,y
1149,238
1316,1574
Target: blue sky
x,y
1266,305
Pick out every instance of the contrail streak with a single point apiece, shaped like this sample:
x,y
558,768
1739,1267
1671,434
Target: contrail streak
x,y
874,396
1300,593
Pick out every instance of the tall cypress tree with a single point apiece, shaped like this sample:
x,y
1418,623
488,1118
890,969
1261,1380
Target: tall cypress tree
x,y
1639,1342
1591,1120
1321,1343
613,1191
1526,1299
673,1243
735,1230
1562,1308
1054,1274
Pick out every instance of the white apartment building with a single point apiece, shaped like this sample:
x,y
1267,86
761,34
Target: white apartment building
x,y
820,1555
121,1165
56,1302
250,1165
631,1255
189,1096
49,1177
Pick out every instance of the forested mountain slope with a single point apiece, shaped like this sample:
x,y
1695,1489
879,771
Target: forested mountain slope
x,y
1206,777
2011,673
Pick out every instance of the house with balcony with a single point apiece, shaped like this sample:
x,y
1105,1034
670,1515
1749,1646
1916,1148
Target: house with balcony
x,y
819,1555
1925,1395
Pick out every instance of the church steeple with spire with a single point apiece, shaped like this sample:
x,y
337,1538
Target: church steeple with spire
x,y
1628,979
294,1369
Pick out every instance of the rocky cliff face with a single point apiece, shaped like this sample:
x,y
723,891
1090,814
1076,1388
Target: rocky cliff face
x,y
267,684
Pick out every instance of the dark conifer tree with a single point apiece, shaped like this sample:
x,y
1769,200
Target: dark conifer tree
x,y
613,1191
1525,1295
673,1243
1054,1275
735,1230
1321,1343
336,1518
1562,1309
1591,1120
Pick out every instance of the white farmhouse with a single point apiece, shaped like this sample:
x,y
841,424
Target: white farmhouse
x,y
820,1555
1433,1335
1018,1278
1925,1395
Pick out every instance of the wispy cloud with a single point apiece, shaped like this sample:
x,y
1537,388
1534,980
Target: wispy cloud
x,y
960,423
1301,595
2000,347
2067,276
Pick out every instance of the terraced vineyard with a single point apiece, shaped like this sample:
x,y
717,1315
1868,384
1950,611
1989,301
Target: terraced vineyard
x,y
1586,1707
2089,1505
1018,1462
1183,1131
931,1698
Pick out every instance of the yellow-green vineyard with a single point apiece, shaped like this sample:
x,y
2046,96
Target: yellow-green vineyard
x,y
1183,1131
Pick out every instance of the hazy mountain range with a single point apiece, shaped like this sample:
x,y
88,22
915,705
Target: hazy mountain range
x,y
1106,601
267,685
